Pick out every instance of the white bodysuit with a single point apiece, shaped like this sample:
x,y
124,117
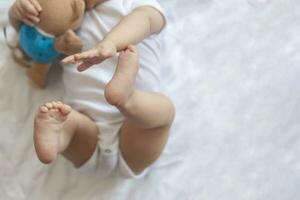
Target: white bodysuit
x,y
85,90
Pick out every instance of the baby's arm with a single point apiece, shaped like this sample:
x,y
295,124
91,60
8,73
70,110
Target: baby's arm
x,y
26,11
139,24
135,27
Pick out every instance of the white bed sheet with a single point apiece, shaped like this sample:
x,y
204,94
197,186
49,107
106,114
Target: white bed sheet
x,y
232,69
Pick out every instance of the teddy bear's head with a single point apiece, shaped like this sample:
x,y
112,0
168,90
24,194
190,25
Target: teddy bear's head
x,y
58,16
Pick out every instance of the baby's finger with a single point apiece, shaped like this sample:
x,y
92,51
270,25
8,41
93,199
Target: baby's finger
x,y
88,63
34,19
69,60
29,8
17,12
92,53
27,21
98,59
83,56
84,66
37,5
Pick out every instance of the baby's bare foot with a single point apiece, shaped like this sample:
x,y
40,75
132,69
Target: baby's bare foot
x,y
48,128
119,90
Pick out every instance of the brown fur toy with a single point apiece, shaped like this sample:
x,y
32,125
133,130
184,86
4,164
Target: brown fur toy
x,y
55,31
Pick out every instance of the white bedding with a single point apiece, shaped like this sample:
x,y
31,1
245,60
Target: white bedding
x,y
231,67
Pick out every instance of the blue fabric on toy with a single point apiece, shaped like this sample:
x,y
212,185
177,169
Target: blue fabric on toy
x,y
39,47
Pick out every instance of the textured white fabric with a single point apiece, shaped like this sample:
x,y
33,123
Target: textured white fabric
x,y
232,69
85,90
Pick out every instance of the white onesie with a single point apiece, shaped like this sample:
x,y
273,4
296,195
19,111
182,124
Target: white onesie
x,y
85,90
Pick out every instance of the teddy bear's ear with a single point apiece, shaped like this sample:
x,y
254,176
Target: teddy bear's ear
x,y
78,7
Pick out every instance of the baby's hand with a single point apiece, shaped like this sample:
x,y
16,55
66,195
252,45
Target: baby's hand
x,y
27,11
96,55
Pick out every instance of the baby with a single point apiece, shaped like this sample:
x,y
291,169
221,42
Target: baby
x,y
114,120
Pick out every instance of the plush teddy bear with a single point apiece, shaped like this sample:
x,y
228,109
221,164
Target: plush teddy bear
x,y
40,45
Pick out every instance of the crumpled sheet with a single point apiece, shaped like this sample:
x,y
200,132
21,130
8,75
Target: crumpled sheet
x,y
232,69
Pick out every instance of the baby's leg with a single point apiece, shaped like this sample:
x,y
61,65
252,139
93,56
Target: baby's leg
x,y
60,129
148,115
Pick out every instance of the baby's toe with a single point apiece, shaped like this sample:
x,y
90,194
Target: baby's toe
x,y
132,49
65,109
55,104
59,102
42,112
43,109
49,105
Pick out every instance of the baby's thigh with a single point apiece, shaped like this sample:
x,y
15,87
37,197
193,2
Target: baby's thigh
x,y
141,147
